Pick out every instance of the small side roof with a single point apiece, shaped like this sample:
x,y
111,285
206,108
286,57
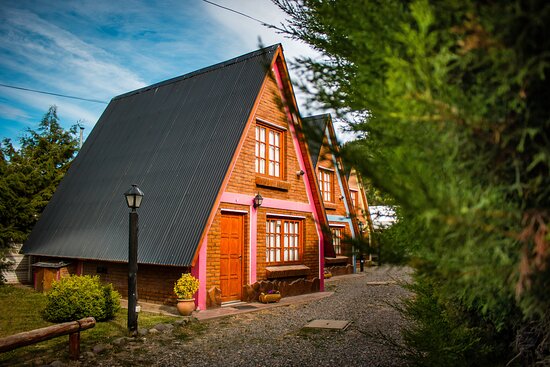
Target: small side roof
x,y
175,140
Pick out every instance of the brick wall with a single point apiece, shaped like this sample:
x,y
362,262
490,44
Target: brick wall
x,y
355,185
325,160
244,180
155,283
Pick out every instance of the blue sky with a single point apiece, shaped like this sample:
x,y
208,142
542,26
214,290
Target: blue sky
x,y
99,49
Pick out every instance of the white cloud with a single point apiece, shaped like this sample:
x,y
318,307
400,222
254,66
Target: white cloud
x,y
12,113
57,58
97,49
245,33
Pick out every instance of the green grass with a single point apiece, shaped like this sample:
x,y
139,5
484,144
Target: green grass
x,y
20,310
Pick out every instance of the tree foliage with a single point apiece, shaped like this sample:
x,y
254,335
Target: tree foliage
x,y
450,101
29,175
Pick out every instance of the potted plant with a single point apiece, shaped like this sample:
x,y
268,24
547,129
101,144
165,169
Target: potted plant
x,y
184,288
269,297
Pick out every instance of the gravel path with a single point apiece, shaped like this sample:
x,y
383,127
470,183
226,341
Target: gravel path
x,y
274,337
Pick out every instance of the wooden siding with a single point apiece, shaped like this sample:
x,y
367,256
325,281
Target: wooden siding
x,y
19,272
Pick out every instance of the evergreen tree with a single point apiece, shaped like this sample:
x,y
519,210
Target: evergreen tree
x,y
450,99
30,175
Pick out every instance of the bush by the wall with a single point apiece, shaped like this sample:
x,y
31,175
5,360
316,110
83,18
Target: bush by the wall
x,y
75,297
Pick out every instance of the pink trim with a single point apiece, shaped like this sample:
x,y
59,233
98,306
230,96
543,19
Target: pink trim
x,y
199,271
253,244
243,199
306,182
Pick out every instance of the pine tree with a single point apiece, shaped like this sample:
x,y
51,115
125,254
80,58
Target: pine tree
x,y
30,175
450,101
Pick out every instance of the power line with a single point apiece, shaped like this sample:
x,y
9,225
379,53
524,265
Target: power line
x,y
103,102
240,13
52,94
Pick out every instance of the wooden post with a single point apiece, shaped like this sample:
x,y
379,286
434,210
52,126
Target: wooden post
x,y
74,345
72,328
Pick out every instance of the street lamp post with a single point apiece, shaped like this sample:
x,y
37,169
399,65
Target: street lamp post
x,y
133,198
361,258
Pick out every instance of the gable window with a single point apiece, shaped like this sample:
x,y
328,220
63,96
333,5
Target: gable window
x,y
283,242
269,151
354,198
326,184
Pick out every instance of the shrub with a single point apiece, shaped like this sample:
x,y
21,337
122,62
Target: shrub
x,y
443,332
75,297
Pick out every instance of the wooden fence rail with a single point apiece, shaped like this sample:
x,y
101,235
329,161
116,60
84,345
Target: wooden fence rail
x,y
72,328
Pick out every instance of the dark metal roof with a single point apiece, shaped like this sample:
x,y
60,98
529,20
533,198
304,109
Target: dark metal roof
x,y
175,140
314,129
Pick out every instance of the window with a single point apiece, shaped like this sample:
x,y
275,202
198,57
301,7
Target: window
x,y
337,235
326,183
354,198
283,240
268,151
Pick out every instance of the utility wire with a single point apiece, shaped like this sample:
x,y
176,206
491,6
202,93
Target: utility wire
x,y
240,13
97,101
52,94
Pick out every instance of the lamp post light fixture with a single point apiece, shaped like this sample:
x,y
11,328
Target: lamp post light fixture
x,y
361,258
134,197
258,199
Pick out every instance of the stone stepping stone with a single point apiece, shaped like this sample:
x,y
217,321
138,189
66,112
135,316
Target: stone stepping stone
x,y
328,324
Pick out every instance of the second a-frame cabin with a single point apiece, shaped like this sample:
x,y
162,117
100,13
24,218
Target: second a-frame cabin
x,y
337,199
202,147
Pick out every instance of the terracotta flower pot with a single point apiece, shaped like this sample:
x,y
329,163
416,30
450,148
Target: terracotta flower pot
x,y
186,306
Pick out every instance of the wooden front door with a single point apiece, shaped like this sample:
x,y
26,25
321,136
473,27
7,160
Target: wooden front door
x,y
231,256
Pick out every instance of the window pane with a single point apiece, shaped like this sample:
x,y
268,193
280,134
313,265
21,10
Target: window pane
x,y
282,240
